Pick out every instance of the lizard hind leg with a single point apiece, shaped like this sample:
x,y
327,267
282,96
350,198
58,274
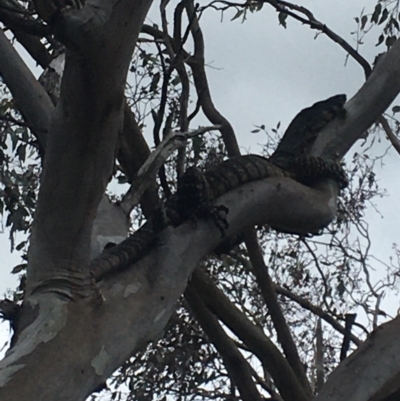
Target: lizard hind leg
x,y
195,199
218,215
193,192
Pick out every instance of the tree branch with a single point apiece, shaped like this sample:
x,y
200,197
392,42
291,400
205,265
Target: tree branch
x,y
268,292
150,167
319,356
133,151
14,16
373,98
389,133
196,63
269,355
313,23
30,98
234,362
380,349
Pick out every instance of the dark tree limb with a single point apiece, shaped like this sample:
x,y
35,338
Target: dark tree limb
x,y
313,23
350,318
16,17
394,140
183,76
269,355
30,98
26,30
268,292
133,151
34,47
319,356
234,362
197,65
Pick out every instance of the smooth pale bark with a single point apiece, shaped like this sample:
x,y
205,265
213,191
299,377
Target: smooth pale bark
x,y
372,372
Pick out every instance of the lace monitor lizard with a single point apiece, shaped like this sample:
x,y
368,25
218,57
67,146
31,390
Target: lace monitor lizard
x,y
198,190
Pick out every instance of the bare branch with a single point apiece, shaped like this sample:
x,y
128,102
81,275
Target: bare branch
x,y
196,63
133,151
252,336
312,22
183,76
238,368
392,137
268,292
316,311
321,273
29,96
319,355
350,318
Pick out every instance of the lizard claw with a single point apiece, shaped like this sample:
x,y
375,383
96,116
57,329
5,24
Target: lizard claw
x,y
218,214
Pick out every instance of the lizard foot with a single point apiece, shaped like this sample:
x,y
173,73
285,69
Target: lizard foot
x,y
218,214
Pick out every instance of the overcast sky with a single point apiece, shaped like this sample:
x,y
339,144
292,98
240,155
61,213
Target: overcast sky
x,y
261,73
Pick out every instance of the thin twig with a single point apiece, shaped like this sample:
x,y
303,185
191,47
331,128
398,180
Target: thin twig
x,y
391,136
316,310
